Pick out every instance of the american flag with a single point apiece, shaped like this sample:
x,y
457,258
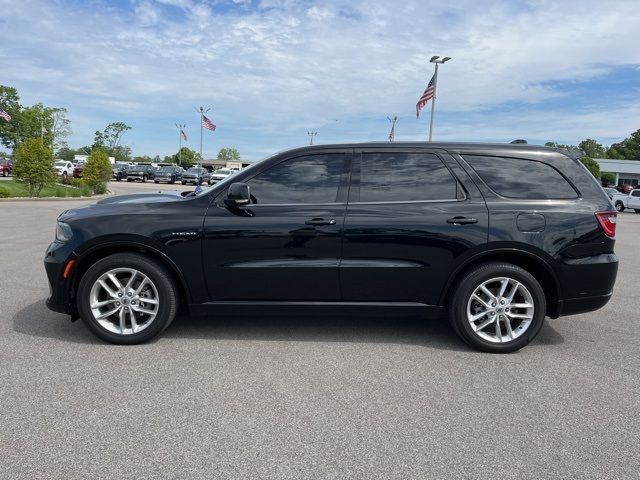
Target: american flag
x,y
184,135
208,124
426,96
5,115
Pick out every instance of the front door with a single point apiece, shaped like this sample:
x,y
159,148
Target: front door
x,y
409,220
286,244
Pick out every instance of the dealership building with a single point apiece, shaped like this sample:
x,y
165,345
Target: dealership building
x,y
626,171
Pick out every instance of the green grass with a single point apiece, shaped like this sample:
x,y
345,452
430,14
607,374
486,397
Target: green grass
x,y
18,189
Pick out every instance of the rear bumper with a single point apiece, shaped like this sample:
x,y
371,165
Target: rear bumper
x,y
588,283
573,306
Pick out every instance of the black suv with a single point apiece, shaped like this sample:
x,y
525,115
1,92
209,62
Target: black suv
x,y
169,174
493,237
141,171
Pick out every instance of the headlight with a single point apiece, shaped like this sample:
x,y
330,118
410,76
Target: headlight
x,y
63,232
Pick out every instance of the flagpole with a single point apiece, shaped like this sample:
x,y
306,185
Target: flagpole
x,y
437,60
433,101
201,122
42,130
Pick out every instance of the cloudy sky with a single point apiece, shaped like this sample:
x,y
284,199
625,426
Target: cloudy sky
x,y
273,69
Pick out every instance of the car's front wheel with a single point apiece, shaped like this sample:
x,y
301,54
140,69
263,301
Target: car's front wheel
x,y
619,206
497,307
127,298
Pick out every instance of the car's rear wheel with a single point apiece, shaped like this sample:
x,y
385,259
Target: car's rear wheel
x,y
127,298
637,210
497,307
619,206
4,173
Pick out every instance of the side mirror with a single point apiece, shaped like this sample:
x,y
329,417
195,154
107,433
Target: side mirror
x,y
238,195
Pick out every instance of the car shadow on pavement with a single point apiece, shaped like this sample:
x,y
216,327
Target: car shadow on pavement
x,y
37,320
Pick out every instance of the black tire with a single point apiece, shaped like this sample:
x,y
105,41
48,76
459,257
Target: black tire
x,y
129,179
144,179
184,183
637,210
473,279
619,206
64,176
173,180
156,181
118,177
167,293
4,173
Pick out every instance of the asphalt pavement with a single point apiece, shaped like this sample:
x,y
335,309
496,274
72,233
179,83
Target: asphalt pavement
x,y
325,397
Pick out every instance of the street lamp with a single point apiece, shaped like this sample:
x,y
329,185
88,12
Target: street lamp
x,y
437,60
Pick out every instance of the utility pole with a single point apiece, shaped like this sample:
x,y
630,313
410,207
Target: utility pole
x,y
392,133
437,60
311,135
180,127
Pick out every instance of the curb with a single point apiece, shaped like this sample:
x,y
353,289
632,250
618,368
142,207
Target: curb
x,y
54,199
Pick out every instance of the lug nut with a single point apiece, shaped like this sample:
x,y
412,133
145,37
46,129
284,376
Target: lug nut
x,y
119,294
129,294
117,304
501,302
126,308
493,304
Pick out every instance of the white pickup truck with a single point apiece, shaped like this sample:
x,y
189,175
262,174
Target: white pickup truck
x,y
627,200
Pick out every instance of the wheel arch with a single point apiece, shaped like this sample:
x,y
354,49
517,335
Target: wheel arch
x,y
102,250
528,261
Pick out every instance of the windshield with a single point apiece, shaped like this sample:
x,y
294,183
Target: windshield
x,y
166,169
194,170
223,171
60,163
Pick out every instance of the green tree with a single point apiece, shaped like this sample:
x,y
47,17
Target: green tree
x,y
97,170
10,103
185,157
66,153
113,133
628,149
592,166
607,178
591,148
33,164
228,154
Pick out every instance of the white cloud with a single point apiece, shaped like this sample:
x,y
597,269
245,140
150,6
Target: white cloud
x,y
288,65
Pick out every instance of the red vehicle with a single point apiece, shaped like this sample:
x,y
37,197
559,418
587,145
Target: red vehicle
x,y
5,167
77,170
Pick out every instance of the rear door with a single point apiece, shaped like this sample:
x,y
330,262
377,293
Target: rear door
x,y
412,216
634,199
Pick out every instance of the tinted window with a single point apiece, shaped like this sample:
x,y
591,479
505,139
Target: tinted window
x,y
309,179
389,177
635,193
519,178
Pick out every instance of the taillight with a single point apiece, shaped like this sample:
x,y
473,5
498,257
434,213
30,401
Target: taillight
x,y
607,221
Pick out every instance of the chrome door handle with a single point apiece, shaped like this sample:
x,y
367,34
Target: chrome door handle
x,y
320,221
462,220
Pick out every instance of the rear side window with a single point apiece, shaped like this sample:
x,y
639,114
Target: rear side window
x,y
520,178
405,177
635,193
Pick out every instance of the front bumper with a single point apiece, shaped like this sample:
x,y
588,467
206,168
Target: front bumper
x,y
60,289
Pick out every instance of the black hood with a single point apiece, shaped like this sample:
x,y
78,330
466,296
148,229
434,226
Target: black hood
x,y
167,196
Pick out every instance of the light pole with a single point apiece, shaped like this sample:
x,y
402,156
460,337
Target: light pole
x,y
437,60
180,127
311,135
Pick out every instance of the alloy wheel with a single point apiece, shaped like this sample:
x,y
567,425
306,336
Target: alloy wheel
x,y
500,310
124,301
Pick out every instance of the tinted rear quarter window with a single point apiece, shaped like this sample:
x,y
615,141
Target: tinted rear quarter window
x,y
404,177
521,178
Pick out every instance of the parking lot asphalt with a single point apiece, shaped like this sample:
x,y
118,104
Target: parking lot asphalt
x,y
324,397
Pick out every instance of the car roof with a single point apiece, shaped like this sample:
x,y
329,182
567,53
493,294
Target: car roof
x,y
509,149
